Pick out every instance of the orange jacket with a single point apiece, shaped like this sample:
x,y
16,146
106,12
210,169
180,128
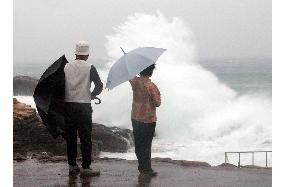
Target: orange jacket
x,y
146,97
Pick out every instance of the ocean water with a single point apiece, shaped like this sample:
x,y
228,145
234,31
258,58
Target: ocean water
x,y
251,75
243,75
208,106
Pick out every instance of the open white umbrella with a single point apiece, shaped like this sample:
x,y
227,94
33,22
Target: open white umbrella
x,y
131,64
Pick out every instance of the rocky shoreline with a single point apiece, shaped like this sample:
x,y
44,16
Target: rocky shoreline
x,y
24,85
48,158
31,138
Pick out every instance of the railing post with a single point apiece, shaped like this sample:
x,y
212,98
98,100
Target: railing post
x,y
253,158
226,157
266,159
239,165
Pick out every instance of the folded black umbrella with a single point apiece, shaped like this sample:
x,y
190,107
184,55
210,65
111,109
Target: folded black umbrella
x,y
49,97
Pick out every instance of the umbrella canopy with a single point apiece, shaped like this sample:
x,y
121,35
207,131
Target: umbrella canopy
x,y
131,64
49,97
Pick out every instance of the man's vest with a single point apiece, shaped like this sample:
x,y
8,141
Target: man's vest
x,y
77,82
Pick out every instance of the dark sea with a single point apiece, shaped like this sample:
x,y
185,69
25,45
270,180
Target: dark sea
x,y
243,75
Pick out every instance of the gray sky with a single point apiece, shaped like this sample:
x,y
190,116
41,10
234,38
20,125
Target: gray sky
x,y
45,29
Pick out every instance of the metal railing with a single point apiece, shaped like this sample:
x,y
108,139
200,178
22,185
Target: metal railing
x,y
252,158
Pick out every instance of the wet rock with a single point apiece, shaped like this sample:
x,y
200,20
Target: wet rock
x,y
182,162
18,157
44,156
58,158
97,146
24,85
252,166
126,133
30,135
110,159
157,159
34,155
191,163
227,165
113,139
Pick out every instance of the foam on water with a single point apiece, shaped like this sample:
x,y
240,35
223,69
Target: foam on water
x,y
27,100
197,111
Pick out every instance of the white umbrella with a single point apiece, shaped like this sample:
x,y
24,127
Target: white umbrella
x,y
131,64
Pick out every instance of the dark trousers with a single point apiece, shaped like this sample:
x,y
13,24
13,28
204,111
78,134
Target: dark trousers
x,y
143,135
78,118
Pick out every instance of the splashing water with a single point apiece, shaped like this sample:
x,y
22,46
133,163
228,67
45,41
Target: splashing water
x,y
199,113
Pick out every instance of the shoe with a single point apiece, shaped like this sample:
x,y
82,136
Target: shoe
x,y
150,173
89,172
74,170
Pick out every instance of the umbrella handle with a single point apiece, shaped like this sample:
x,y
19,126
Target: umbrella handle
x,y
99,101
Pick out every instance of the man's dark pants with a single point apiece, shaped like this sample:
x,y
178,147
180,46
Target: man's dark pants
x,y
78,117
143,135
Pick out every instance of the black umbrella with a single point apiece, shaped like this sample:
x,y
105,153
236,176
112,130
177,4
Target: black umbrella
x,y
49,97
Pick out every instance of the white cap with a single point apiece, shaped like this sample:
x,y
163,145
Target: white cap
x,y
82,48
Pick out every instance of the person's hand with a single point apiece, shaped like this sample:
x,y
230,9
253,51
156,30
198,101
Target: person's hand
x,y
93,97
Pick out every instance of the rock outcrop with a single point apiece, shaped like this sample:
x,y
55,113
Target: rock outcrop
x,y
31,136
24,85
228,165
183,162
113,139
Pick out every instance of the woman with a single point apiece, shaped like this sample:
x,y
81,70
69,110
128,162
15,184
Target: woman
x,y
146,97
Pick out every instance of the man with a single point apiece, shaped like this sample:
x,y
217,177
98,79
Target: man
x,y
146,97
78,111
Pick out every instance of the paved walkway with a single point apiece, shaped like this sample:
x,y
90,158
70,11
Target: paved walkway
x,y
124,173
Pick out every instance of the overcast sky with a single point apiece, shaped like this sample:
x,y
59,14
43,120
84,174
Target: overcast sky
x,y
45,29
